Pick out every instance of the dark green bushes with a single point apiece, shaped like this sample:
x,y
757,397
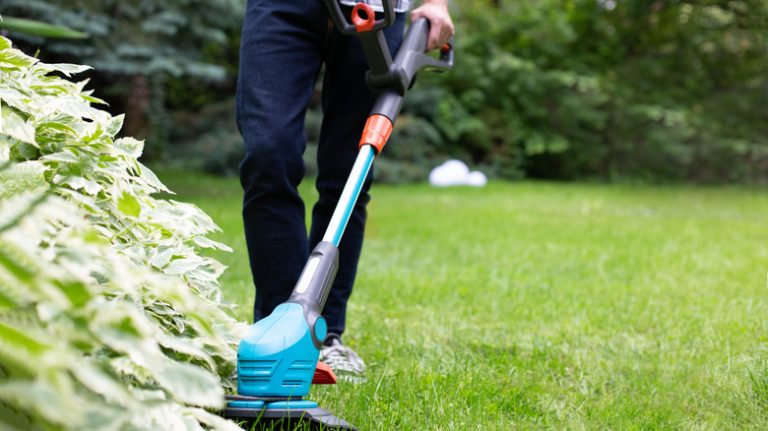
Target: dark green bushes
x,y
596,89
665,90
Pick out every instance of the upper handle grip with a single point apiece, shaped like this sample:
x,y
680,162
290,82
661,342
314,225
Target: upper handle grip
x,y
361,23
412,56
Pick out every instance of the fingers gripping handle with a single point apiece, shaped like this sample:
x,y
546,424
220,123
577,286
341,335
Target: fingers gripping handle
x,y
411,57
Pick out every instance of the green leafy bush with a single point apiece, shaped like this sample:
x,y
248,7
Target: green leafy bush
x,y
583,89
109,317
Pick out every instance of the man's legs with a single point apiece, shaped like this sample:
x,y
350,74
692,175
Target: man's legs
x,y
346,105
281,52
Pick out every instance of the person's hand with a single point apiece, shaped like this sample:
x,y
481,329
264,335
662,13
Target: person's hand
x,y
440,23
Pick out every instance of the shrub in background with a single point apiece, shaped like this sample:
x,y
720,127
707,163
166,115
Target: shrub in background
x,y
109,317
631,89
207,139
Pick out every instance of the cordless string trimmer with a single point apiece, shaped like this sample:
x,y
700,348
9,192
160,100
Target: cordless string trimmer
x,y
277,359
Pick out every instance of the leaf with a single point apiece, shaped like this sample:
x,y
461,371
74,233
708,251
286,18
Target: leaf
x,y
21,342
14,59
189,384
205,242
114,126
151,179
128,146
5,150
11,124
14,268
104,384
57,121
65,68
128,204
161,259
54,403
213,422
38,28
185,346
24,177
76,291
61,156
90,187
183,266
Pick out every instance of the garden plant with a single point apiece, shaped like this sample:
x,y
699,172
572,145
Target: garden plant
x,y
109,316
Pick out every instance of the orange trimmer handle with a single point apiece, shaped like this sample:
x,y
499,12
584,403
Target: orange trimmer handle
x,y
363,17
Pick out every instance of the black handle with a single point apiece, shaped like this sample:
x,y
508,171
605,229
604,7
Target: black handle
x,y
410,59
349,28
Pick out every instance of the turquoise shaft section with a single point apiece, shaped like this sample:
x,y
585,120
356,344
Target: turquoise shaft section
x,y
350,194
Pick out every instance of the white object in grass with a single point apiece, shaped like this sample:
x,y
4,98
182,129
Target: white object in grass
x,y
456,173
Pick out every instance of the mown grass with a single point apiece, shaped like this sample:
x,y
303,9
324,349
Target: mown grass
x,y
537,305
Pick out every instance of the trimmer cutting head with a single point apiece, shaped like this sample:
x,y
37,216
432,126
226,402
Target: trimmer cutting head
x,y
274,414
277,363
280,413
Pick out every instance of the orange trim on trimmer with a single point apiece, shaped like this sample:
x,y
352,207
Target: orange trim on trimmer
x,y
324,374
377,130
363,24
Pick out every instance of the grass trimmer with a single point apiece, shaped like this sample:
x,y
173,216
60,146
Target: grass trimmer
x,y
277,359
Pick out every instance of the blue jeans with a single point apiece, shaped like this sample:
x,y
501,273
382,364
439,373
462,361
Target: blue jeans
x,y
284,44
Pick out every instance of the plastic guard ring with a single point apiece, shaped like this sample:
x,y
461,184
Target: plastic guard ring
x,y
363,24
377,130
323,375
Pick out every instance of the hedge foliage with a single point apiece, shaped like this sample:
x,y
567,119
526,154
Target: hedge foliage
x,y
109,317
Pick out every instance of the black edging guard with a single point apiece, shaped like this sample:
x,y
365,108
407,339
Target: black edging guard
x,y
318,418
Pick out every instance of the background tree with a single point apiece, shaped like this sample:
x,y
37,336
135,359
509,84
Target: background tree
x,y
138,46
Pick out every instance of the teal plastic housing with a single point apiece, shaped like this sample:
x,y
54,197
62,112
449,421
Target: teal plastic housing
x,y
277,357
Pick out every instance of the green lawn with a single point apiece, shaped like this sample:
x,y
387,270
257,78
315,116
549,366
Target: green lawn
x,y
538,305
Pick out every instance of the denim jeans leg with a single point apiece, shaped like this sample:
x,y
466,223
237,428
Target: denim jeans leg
x,y
280,55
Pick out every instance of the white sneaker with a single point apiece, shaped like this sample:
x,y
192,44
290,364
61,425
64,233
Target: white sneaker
x,y
344,362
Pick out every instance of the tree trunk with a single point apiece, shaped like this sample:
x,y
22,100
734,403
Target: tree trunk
x,y
135,124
